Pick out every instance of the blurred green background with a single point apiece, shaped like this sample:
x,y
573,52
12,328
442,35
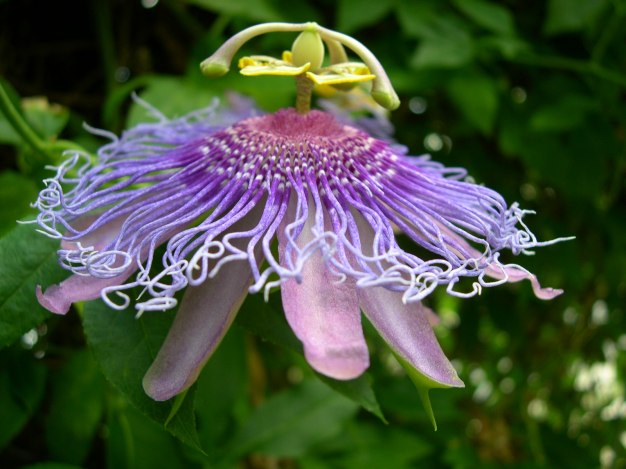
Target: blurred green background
x,y
528,95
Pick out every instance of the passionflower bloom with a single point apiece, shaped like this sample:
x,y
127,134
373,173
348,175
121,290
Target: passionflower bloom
x,y
236,201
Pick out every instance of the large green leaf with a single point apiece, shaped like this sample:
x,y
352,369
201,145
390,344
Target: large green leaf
x,y
76,409
125,347
16,194
28,259
291,423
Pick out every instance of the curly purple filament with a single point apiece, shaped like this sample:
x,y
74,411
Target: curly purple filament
x,y
217,187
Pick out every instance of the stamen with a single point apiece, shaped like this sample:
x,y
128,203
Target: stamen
x,y
308,53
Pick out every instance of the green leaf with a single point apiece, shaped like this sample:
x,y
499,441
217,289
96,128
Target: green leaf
x,y
221,391
125,347
444,52
351,15
137,442
268,321
567,113
476,96
393,447
291,423
158,94
28,259
270,93
359,390
489,15
48,120
22,386
257,10
566,16
508,47
419,19
51,465
76,409
16,193
555,158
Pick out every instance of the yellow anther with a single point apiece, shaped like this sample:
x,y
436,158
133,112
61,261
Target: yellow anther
x,y
337,79
342,74
257,65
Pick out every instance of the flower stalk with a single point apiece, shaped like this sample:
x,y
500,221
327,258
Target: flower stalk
x,y
304,91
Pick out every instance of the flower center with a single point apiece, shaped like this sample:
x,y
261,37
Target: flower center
x,y
288,148
294,126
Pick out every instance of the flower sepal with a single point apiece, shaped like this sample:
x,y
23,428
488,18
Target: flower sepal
x,y
423,384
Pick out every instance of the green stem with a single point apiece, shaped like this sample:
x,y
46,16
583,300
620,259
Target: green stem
x,y
609,32
533,436
107,42
573,65
185,18
20,125
304,90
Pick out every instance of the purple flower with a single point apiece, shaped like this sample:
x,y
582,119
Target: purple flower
x,y
242,202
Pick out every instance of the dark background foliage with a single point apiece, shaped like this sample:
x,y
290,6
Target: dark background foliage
x,y
528,95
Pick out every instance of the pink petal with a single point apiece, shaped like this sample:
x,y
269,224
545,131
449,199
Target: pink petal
x,y
99,238
59,298
205,315
325,315
406,328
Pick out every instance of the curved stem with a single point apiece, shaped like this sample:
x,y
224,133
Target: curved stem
x,y
20,125
381,86
219,63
